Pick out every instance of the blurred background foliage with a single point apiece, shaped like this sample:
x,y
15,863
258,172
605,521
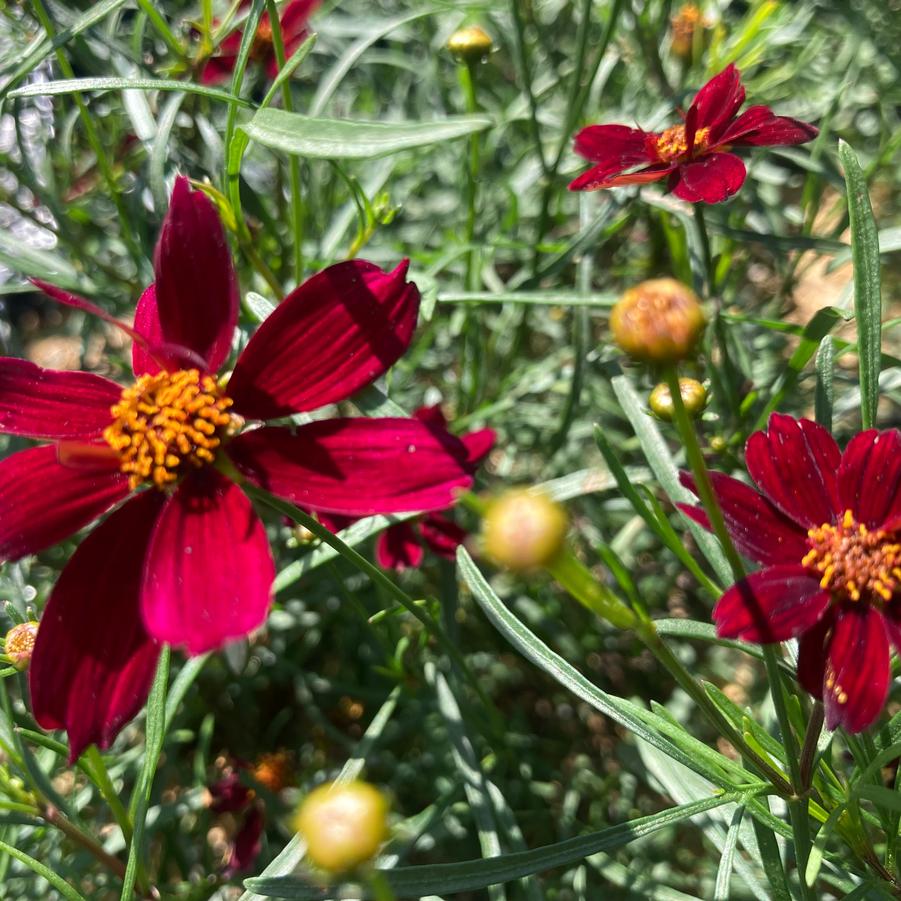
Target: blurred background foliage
x,y
533,361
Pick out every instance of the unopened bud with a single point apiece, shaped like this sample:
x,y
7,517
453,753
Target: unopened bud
x,y
694,399
19,644
658,321
470,44
524,530
686,23
344,825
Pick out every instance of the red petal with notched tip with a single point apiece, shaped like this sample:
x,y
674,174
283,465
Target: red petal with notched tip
x,y
356,467
196,288
857,673
43,501
794,463
93,661
209,571
757,126
773,604
442,535
869,477
757,528
712,178
812,647
598,178
718,101
398,548
336,333
47,403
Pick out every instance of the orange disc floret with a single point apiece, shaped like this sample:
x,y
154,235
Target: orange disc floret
x,y
854,561
658,321
165,420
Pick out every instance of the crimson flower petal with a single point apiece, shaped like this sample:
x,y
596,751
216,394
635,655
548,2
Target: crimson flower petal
x,y
718,101
599,177
613,148
248,843
812,655
398,548
218,69
47,403
44,502
442,535
479,444
93,660
794,463
857,669
209,570
337,332
196,287
294,19
147,322
356,467
869,477
773,604
757,528
711,179
757,126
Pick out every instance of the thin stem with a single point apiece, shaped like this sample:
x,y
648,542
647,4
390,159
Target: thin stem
x,y
704,236
468,83
162,28
578,580
298,217
809,748
93,760
103,162
55,818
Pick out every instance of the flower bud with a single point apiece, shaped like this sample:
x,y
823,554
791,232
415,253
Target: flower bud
x,y
694,399
524,530
658,321
686,23
344,825
19,644
470,44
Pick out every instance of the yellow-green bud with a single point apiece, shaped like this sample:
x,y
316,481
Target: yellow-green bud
x,y
344,825
19,644
524,530
470,44
694,399
658,321
718,444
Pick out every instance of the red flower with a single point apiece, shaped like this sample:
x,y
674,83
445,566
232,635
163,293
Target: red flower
x,y
293,22
400,547
825,528
693,156
186,560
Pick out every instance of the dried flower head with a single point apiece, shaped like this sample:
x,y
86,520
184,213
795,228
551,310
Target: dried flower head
x,y
658,321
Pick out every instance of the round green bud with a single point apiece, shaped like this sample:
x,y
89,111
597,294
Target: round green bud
x,y
694,399
470,44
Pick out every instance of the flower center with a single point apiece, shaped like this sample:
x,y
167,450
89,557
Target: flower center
x,y
672,143
853,561
262,40
166,420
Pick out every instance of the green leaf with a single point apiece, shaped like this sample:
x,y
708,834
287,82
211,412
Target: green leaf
x,y
824,397
471,875
76,85
335,139
867,287
57,882
532,298
692,753
724,872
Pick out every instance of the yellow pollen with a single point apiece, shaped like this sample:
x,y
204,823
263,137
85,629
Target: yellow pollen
x,y
854,562
166,420
672,143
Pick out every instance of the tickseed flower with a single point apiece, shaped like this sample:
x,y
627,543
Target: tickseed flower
x,y
694,157
693,393
524,530
293,20
658,321
400,546
344,825
185,560
18,645
826,528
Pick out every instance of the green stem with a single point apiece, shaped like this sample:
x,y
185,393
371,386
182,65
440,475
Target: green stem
x,y
704,236
468,82
93,760
809,748
162,28
381,889
578,580
103,162
298,218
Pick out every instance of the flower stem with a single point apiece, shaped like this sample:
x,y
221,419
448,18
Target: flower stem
x,y
578,580
704,237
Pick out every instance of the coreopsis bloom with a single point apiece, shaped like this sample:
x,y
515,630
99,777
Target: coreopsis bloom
x,y
293,20
402,546
185,560
826,528
695,156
